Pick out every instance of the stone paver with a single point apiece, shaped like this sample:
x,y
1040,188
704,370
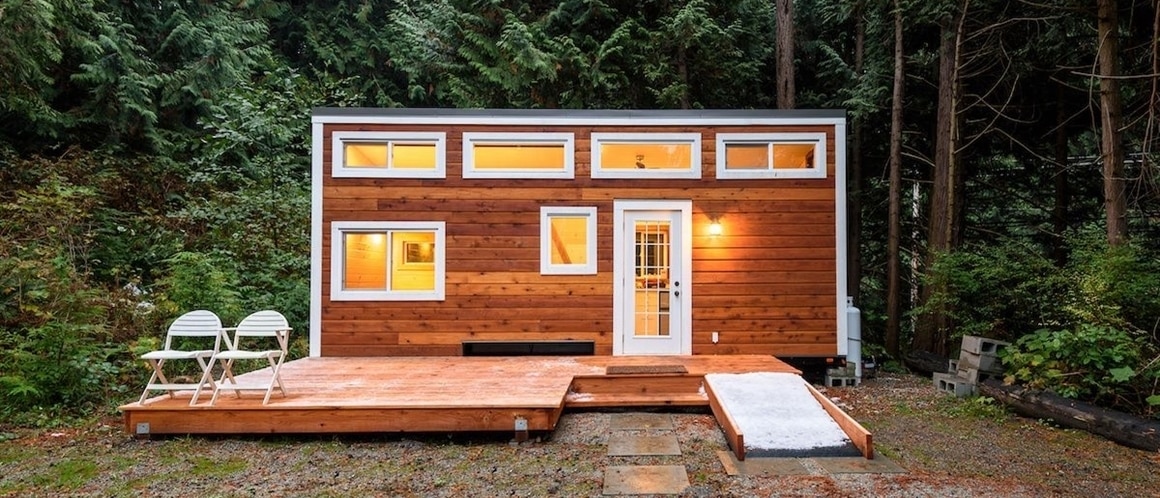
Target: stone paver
x,y
634,445
645,479
761,466
859,465
640,421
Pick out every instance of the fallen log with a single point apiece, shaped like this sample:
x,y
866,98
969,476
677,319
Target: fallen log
x,y
926,362
1122,428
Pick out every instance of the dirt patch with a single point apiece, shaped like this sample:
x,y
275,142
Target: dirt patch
x,y
948,447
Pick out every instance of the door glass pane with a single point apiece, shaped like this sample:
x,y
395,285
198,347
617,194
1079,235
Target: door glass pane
x,y
651,296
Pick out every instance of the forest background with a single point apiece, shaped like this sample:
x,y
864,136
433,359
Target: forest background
x,y
154,158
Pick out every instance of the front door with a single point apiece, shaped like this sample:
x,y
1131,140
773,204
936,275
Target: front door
x,y
652,299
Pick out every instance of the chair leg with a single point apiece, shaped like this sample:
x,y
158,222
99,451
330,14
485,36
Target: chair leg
x,y
227,374
152,378
276,378
206,378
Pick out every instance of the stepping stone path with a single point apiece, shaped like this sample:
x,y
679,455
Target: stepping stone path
x,y
646,436
626,441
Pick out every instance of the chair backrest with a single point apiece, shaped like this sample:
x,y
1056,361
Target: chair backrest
x,y
199,323
266,323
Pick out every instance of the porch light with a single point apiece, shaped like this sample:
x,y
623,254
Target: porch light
x,y
715,227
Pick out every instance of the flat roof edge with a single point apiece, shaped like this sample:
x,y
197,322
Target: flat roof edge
x,y
332,114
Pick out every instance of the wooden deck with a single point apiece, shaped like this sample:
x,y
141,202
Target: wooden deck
x,y
441,394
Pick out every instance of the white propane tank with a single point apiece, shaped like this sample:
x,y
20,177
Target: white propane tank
x,y
854,336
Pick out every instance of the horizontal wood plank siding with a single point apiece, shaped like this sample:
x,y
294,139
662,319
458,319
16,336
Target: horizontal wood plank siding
x,y
767,285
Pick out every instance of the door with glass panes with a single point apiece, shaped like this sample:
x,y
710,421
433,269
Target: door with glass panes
x,y
653,315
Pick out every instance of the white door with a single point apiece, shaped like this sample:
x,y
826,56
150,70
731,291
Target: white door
x,y
653,304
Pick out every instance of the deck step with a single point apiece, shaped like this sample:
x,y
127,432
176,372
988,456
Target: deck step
x,y
589,400
635,390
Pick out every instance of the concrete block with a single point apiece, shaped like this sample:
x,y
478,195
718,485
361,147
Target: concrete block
x,y
974,376
951,384
982,362
982,345
846,371
954,366
841,381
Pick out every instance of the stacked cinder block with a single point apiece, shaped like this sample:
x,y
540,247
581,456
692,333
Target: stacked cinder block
x,y
843,376
978,361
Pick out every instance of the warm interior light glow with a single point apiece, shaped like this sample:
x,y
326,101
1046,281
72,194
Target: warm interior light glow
x,y
644,155
569,240
413,156
519,156
793,156
714,228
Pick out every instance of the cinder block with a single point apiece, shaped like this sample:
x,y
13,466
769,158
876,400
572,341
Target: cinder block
x,y
974,376
846,371
951,384
982,345
982,362
954,366
839,381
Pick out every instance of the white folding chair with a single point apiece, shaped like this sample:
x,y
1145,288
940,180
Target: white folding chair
x,y
201,327
263,325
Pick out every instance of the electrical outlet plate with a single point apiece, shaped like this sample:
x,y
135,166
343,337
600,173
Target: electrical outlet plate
x,y
142,428
716,337
521,424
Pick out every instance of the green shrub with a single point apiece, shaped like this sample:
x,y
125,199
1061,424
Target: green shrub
x,y
1090,362
996,291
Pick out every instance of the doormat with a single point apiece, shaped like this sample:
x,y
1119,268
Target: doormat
x,y
644,369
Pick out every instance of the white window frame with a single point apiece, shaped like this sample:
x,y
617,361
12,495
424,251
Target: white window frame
x,y
818,140
340,170
693,173
567,140
546,265
337,259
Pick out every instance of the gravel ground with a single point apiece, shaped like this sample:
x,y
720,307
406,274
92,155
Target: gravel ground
x,y
948,447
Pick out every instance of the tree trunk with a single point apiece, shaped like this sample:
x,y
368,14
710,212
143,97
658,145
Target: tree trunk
x,y
1062,198
854,221
1128,430
894,235
785,53
942,234
1111,118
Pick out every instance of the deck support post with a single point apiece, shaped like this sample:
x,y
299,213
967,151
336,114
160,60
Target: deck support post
x,y
521,429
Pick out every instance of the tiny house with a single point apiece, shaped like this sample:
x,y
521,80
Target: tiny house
x,y
661,232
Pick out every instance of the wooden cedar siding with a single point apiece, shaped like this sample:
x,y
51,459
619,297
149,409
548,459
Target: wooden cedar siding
x,y
768,284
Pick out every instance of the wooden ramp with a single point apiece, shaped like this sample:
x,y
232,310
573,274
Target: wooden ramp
x,y
784,416
441,394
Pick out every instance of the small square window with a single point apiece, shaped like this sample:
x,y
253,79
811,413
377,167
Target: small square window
x,y
518,155
387,261
568,240
771,155
360,154
646,155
